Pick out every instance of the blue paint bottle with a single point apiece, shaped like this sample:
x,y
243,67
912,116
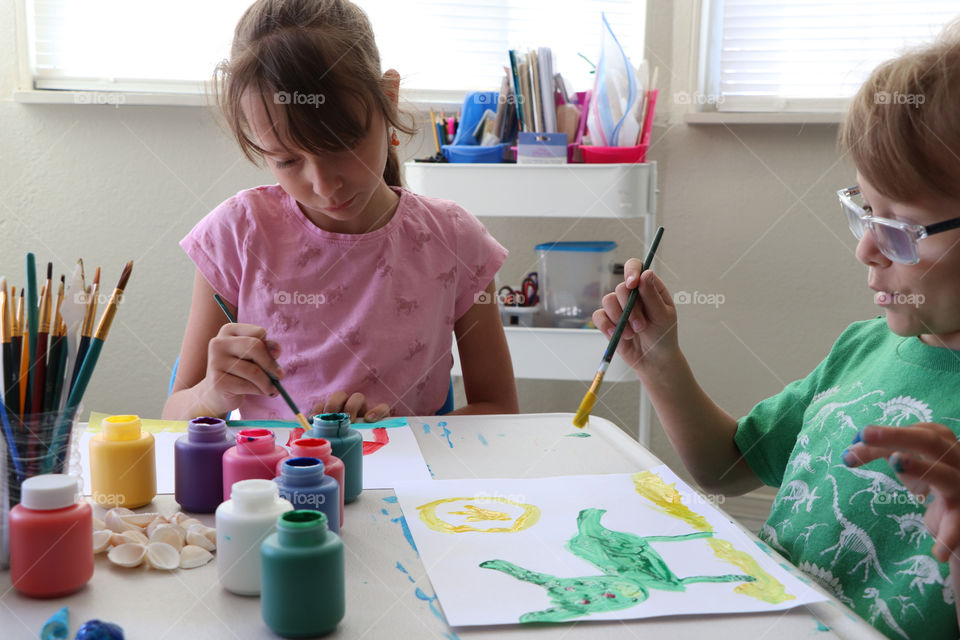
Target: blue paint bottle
x,y
303,482
347,444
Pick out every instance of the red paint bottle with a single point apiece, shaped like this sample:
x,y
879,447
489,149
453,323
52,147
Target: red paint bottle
x,y
51,537
320,449
255,455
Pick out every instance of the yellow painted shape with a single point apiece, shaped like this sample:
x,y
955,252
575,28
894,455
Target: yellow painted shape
x,y
765,587
668,499
429,516
150,426
476,513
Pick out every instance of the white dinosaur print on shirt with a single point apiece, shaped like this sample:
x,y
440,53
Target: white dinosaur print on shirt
x,y
880,608
798,492
904,409
854,539
924,569
912,525
821,418
882,487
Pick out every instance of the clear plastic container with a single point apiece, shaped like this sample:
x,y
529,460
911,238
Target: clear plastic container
x,y
574,278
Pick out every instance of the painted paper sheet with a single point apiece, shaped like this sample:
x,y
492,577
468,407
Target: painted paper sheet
x,y
575,548
391,454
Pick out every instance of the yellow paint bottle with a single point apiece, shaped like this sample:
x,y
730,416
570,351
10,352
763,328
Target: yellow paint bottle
x,y
123,468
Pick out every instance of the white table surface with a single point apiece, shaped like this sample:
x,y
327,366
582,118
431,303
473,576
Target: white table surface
x,y
384,601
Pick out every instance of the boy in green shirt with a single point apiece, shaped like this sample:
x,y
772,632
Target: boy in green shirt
x,y
864,450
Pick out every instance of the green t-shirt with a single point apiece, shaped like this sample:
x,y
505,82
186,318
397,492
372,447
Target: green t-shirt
x,y
857,531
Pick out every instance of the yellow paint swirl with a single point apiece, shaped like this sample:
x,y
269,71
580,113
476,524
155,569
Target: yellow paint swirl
x,y
429,516
765,587
668,499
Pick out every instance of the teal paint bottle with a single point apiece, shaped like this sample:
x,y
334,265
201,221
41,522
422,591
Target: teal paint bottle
x,y
302,559
347,444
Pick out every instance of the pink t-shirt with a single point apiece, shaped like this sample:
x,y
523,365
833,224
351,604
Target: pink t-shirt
x,y
371,313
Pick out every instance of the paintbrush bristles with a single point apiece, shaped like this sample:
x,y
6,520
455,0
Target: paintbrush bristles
x,y
107,318
125,275
6,322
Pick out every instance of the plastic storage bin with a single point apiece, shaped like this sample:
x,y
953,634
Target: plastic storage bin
x,y
574,278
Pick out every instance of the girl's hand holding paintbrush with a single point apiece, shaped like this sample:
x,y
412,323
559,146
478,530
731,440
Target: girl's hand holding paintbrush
x,y
238,360
650,337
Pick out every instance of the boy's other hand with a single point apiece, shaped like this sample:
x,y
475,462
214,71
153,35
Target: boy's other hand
x,y
651,333
926,458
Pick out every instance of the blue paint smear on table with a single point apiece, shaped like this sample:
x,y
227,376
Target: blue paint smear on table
x,y
426,428
502,435
403,523
580,434
446,433
451,635
482,439
432,474
822,627
402,568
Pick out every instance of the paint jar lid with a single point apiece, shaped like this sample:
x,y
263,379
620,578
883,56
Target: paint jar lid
x,y
121,428
49,491
254,494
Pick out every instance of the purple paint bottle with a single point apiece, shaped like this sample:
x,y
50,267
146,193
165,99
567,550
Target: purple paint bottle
x,y
198,465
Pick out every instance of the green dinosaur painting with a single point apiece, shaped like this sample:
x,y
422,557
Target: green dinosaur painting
x,y
630,568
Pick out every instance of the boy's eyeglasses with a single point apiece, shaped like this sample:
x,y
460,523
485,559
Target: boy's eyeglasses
x,y
897,240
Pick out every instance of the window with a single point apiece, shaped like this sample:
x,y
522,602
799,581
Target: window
x,y
783,55
442,47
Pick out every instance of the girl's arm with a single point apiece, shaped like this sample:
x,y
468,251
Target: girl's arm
x,y
485,360
700,431
219,361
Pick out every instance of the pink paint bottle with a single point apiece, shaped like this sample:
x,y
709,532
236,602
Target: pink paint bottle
x,y
320,449
255,455
51,537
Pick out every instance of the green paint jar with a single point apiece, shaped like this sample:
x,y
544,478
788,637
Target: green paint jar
x,y
302,592
347,444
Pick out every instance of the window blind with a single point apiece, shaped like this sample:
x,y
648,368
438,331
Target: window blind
x,y
784,55
436,45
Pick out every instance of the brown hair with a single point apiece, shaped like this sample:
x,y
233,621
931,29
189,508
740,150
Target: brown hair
x,y
318,63
903,127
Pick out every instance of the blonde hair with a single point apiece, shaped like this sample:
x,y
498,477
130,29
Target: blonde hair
x,y
317,61
903,127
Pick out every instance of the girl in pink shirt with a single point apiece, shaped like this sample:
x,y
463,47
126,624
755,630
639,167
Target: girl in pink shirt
x,y
358,283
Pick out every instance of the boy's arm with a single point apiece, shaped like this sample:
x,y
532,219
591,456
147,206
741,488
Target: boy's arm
x,y
485,359
700,431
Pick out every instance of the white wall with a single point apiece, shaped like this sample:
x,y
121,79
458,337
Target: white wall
x,y
749,213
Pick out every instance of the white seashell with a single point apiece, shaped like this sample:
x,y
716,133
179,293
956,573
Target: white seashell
x,y
177,517
197,537
170,534
136,537
192,556
186,523
129,554
139,519
161,555
122,511
158,521
98,524
101,540
209,532
114,522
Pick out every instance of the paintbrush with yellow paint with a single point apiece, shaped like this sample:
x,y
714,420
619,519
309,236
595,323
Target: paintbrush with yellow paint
x,y
583,413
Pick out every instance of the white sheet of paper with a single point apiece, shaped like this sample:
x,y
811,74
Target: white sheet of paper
x,y
397,460
472,595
